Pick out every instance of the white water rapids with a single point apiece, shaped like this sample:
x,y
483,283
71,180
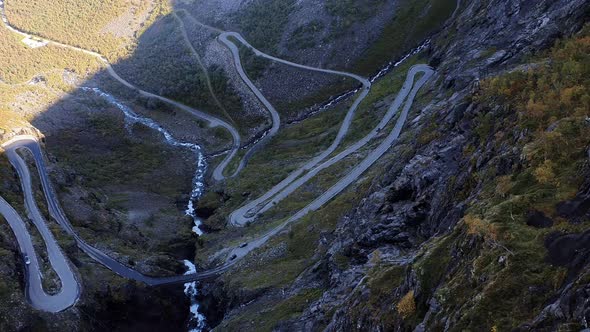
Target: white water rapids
x,y
197,320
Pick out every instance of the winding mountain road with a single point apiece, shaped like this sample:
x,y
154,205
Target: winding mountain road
x,y
56,212
224,38
39,299
294,180
249,212
70,290
31,144
357,171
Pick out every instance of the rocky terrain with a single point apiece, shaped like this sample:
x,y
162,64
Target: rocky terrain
x,y
475,219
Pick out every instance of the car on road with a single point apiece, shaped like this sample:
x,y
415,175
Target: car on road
x,y
27,260
233,257
243,245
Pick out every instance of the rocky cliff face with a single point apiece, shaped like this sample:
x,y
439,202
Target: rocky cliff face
x,y
410,256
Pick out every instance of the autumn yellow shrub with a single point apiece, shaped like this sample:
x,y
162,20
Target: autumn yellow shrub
x,y
480,227
407,305
544,173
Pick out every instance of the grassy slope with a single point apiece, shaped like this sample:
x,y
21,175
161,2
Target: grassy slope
x,y
374,106
78,23
301,250
18,63
557,94
262,24
351,11
497,296
293,146
256,67
296,143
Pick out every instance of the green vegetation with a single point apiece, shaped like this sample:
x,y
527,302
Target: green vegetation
x,y
407,305
183,79
50,280
381,281
292,146
230,100
301,243
493,267
322,95
234,163
383,278
125,192
9,120
112,158
256,66
301,252
18,63
10,188
253,65
262,22
72,22
285,153
78,23
414,21
12,297
285,257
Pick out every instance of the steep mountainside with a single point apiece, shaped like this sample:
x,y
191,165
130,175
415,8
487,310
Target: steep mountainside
x,y
477,219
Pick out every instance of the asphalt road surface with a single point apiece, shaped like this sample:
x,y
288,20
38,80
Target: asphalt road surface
x,y
39,299
30,143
